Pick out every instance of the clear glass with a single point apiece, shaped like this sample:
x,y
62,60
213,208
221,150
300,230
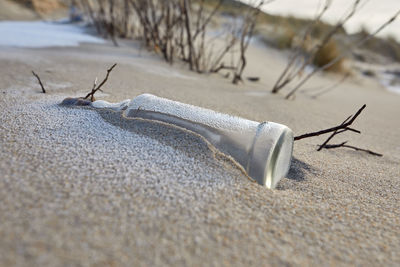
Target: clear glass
x,y
264,149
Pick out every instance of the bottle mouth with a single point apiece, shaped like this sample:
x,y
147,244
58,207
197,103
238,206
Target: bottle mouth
x,y
278,164
271,153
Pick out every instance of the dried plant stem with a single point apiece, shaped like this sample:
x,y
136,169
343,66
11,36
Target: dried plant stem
x,y
40,82
185,11
343,127
97,88
175,29
300,59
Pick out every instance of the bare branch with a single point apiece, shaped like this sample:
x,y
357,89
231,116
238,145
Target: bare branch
x,y
345,125
185,11
208,19
98,88
247,32
40,82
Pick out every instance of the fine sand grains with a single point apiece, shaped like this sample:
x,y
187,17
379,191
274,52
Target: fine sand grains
x,y
80,188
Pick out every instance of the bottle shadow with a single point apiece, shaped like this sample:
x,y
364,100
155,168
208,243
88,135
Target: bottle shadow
x,y
299,170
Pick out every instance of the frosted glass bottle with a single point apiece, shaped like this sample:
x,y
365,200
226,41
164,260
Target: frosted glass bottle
x,y
264,149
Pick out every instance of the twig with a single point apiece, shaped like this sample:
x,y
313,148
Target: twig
x,y
344,125
185,12
40,82
246,33
353,147
95,89
333,134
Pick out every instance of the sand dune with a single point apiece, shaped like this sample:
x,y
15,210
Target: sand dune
x,y
85,187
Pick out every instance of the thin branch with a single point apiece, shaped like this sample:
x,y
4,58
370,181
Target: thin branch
x,y
185,11
353,130
201,28
246,34
296,52
98,88
344,125
40,82
332,135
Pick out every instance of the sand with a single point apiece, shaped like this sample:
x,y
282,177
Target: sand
x,y
81,187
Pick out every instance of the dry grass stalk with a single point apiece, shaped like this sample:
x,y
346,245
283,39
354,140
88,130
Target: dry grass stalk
x,y
299,60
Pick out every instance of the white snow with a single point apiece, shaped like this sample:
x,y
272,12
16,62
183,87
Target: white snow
x,y
38,34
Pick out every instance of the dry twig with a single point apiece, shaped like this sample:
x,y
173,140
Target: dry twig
x,y
98,88
40,82
246,35
343,127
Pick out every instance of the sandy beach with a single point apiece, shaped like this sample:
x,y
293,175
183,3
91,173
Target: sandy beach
x,y
84,187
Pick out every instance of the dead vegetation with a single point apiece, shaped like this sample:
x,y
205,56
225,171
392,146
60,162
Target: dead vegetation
x,y
328,53
89,98
40,82
98,87
178,30
321,54
341,128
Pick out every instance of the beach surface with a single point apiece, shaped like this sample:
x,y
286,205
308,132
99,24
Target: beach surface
x,y
83,187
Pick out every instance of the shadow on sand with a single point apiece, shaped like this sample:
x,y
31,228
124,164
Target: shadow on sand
x,y
299,169
298,172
